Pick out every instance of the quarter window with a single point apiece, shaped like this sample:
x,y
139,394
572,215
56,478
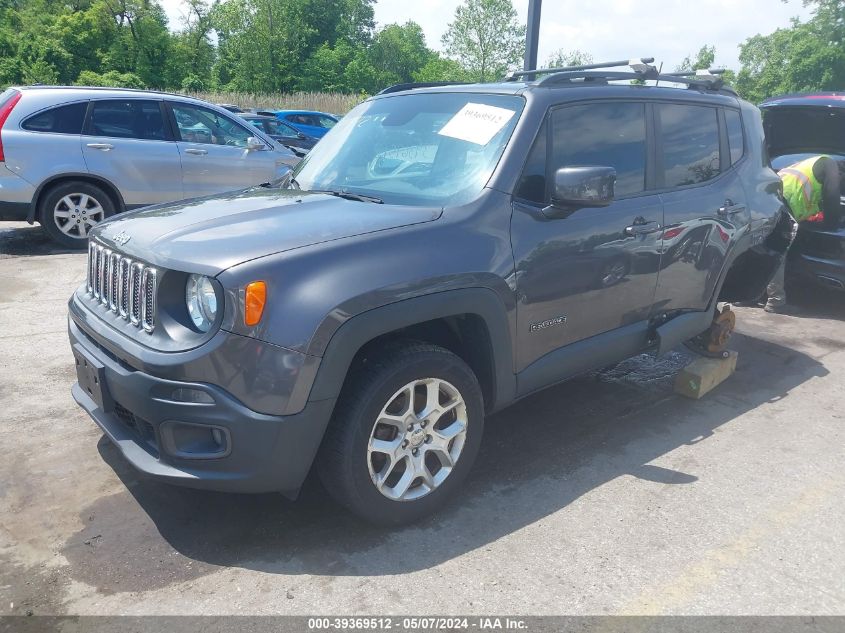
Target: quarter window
x,y
606,134
690,144
128,119
532,185
198,125
66,119
736,143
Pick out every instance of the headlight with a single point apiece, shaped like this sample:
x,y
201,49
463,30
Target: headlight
x,y
202,301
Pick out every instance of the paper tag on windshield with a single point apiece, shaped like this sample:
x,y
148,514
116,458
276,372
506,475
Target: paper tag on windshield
x,y
477,123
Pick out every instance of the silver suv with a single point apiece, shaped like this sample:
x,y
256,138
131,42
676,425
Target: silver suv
x,y
70,157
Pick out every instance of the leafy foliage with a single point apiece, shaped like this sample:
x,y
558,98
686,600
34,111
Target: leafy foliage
x,y
806,56
317,46
562,58
486,38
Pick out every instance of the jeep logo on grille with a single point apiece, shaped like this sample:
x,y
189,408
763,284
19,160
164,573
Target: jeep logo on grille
x,y
122,237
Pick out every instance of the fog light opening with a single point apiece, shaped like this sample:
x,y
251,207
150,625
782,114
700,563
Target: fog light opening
x,y
189,440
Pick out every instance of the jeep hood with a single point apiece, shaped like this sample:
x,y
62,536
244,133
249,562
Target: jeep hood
x,y
209,235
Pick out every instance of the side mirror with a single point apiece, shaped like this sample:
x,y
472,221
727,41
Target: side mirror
x,y
254,143
583,186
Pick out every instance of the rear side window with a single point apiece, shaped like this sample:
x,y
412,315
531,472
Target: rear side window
x,y
606,134
690,146
66,119
736,142
128,119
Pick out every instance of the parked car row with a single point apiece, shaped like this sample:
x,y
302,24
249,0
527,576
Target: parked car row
x,y
296,141
71,157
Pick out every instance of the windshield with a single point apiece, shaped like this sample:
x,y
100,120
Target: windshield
x,y
422,149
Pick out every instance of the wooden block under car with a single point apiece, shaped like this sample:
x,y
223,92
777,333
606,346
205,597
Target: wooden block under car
x,y
704,374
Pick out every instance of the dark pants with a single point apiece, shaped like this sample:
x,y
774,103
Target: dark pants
x,y
776,290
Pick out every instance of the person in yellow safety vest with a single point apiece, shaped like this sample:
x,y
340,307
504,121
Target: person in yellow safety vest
x,y
811,188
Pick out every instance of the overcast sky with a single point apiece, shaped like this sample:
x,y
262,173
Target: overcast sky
x,y
614,29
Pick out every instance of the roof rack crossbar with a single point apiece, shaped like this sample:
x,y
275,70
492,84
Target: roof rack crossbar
x,y
515,75
706,82
699,73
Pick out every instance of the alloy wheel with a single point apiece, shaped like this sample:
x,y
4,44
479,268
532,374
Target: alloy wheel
x,y
417,439
76,214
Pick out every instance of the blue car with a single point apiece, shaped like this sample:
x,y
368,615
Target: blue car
x,y
308,122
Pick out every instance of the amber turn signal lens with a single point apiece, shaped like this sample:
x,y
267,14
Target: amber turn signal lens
x,y
254,300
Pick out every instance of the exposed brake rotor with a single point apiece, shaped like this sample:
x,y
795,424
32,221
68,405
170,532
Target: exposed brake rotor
x,y
713,342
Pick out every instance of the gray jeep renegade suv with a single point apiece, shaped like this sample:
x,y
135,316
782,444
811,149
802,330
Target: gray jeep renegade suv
x,y
441,253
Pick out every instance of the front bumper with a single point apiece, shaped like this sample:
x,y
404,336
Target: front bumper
x,y
219,444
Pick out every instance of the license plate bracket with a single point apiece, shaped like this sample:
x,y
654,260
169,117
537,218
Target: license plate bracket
x,y
91,375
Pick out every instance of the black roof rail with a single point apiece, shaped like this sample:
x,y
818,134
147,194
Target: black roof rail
x,y
517,74
420,84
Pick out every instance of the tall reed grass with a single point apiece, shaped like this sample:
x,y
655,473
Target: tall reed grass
x,y
332,102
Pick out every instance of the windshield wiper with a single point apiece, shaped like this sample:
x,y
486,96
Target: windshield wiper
x,y
346,195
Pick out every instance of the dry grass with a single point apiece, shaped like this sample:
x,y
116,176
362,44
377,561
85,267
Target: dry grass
x,y
333,102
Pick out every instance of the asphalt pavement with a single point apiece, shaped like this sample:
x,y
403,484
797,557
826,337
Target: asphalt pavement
x,y
608,494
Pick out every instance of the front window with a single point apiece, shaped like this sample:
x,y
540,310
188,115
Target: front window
x,y
424,149
277,128
199,125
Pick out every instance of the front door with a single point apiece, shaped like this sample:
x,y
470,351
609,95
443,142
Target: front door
x,y
214,152
126,142
596,269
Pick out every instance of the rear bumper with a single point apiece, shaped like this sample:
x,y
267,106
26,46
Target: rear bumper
x,y
14,211
827,272
15,195
177,442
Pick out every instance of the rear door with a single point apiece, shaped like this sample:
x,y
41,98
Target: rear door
x,y
594,270
53,132
704,202
214,152
127,142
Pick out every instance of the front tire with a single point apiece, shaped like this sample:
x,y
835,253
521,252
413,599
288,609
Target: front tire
x,y
70,210
404,435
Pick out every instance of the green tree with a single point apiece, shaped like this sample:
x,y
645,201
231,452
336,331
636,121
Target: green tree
x,y
111,78
439,68
703,60
562,58
806,56
399,52
486,38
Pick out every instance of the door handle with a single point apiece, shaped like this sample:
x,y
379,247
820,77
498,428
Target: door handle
x,y
642,228
729,208
196,151
103,146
